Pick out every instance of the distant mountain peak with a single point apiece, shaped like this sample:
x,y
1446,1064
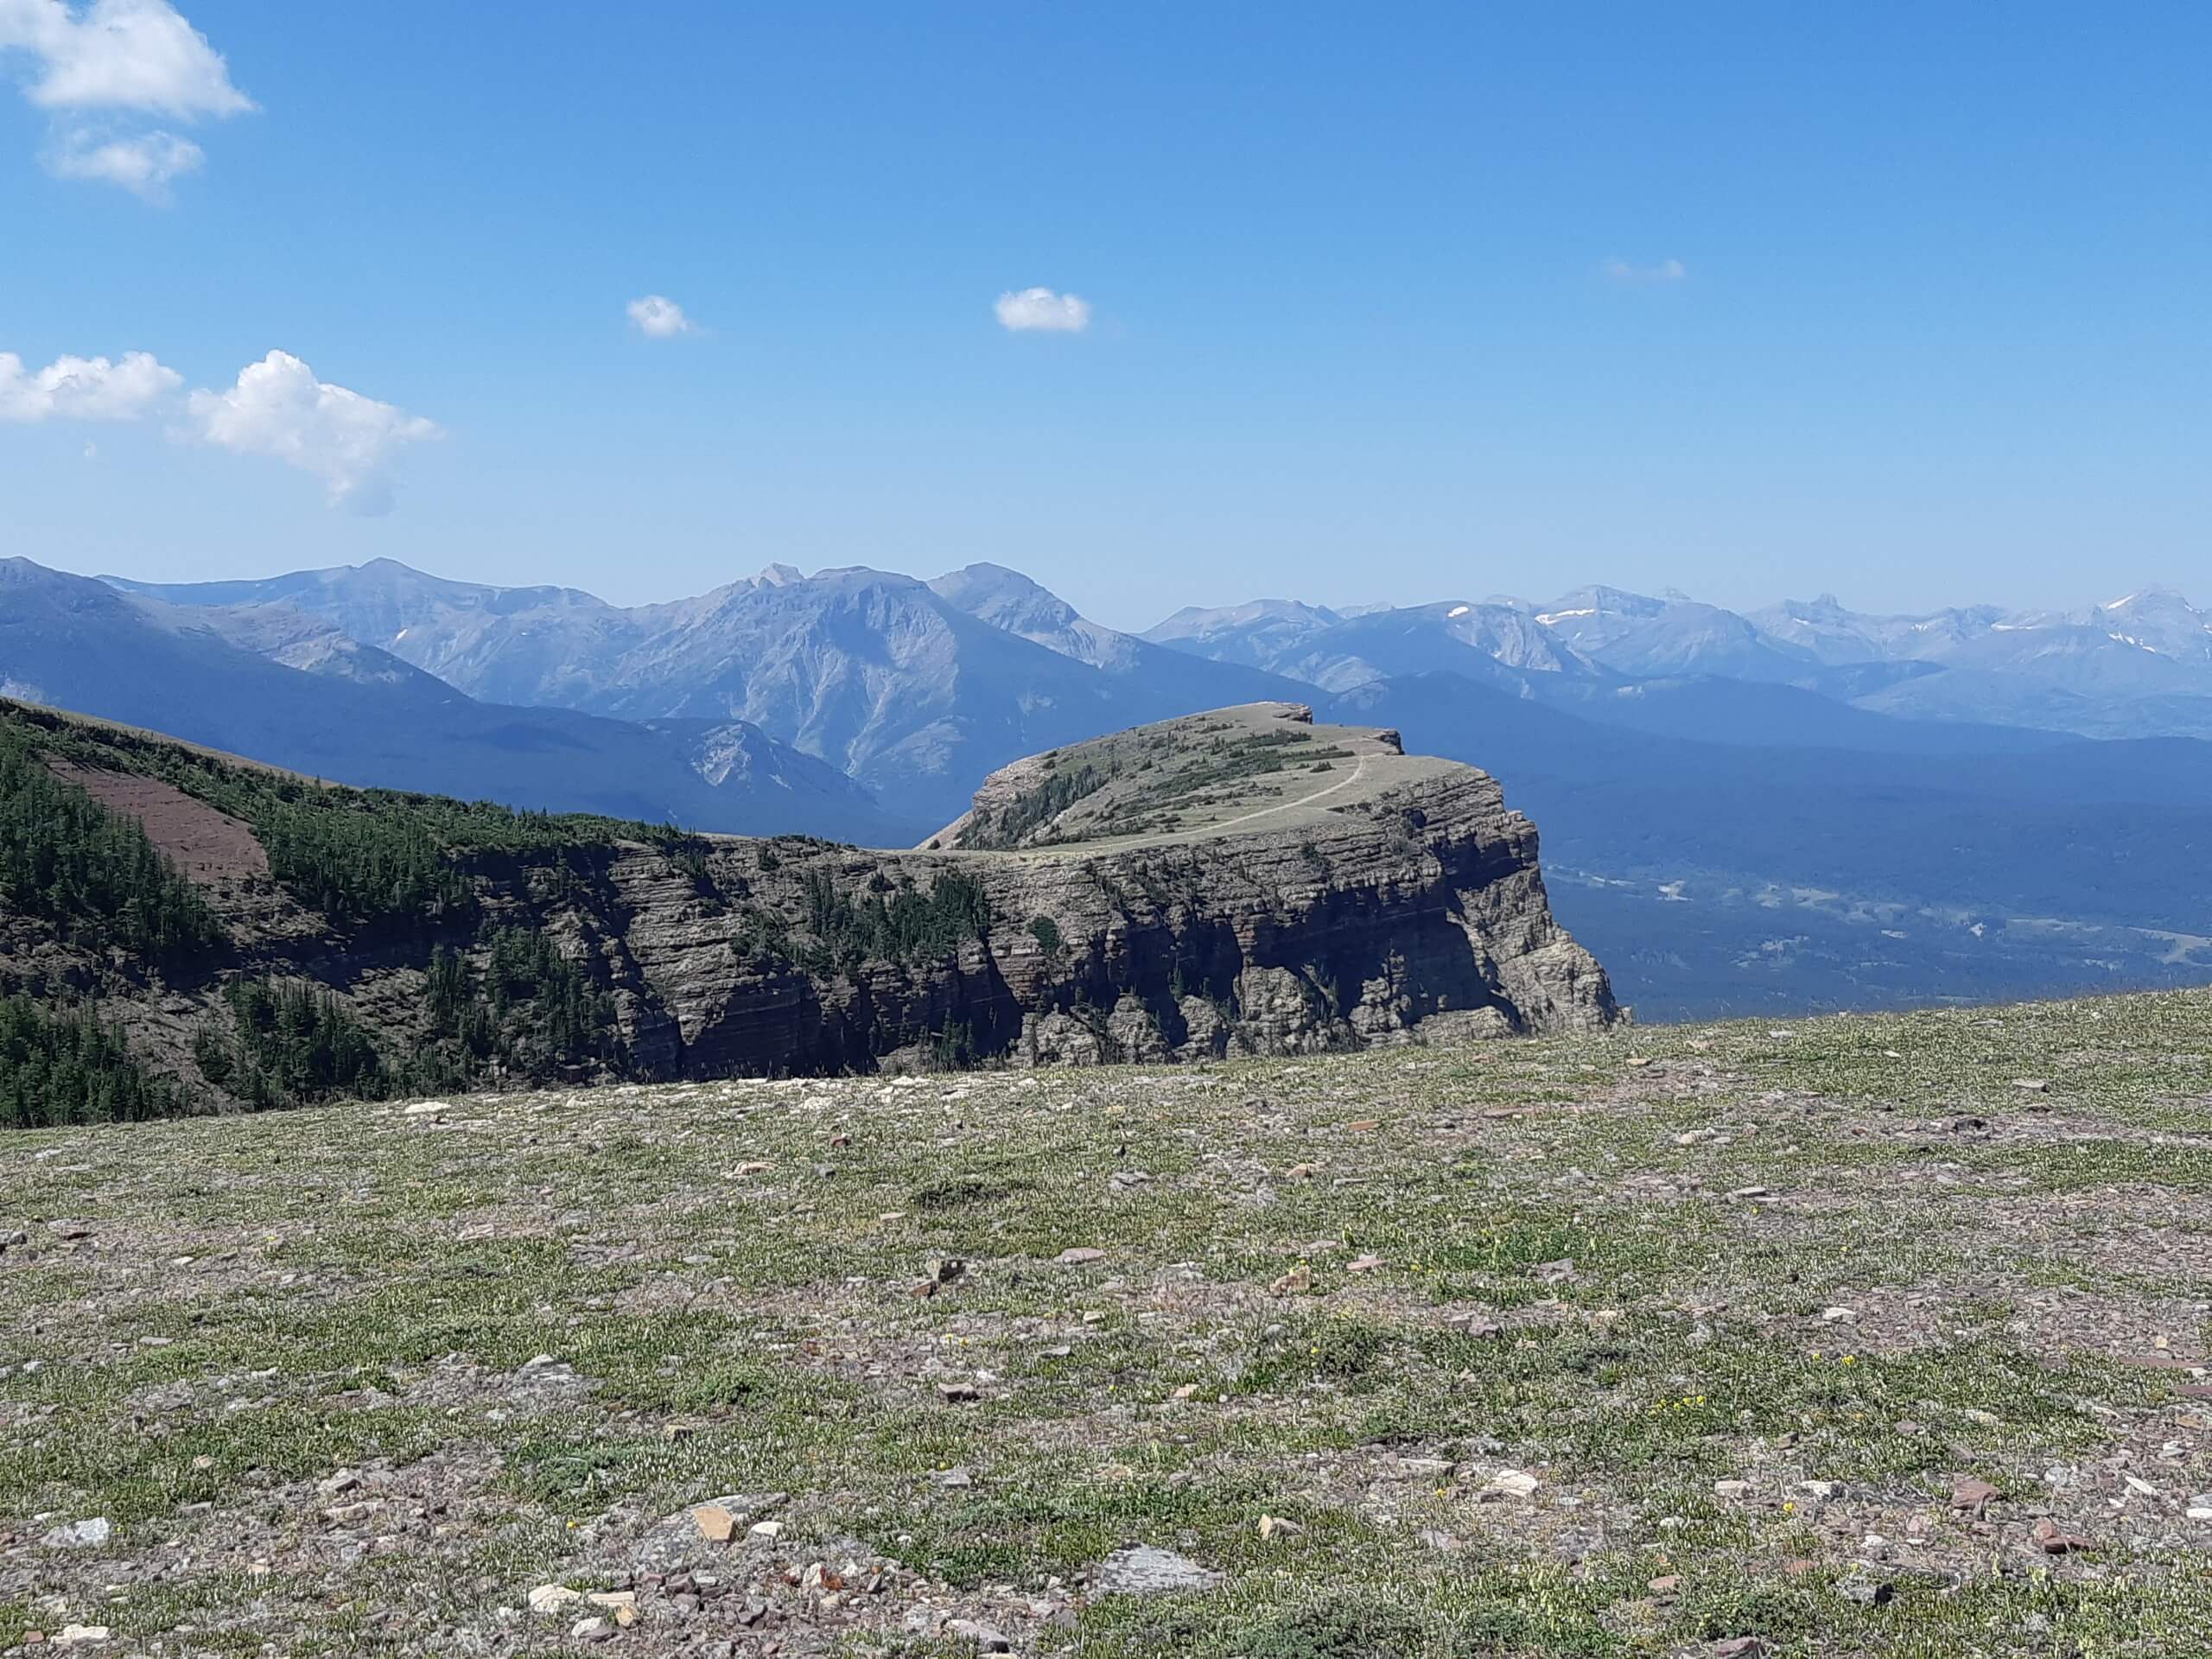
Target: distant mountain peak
x,y
779,575
1004,598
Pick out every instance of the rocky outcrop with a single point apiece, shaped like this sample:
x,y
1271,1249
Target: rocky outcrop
x,y
1240,883
1420,912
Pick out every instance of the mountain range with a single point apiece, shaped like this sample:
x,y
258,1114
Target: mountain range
x,y
914,690
2137,666
1802,806
280,686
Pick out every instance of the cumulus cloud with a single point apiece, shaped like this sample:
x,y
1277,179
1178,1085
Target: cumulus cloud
x,y
83,388
1041,309
1667,270
659,317
144,165
279,408
111,57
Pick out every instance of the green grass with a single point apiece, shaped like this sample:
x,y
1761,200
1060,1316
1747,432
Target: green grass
x,y
371,1285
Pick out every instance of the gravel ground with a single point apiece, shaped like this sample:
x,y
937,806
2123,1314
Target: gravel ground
x,y
1856,1336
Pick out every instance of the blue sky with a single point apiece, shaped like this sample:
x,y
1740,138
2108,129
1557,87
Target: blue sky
x,y
1906,302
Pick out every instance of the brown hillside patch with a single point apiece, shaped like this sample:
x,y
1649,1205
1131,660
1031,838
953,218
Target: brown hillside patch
x,y
205,845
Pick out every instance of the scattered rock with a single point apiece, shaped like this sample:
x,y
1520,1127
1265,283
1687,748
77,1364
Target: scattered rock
x,y
716,1524
1733,1490
79,1535
1474,1323
344,1481
1079,1256
2053,1539
553,1598
1274,1526
65,1228
985,1639
945,1270
1141,1570
71,1636
1509,1482
767,1530
1363,1264
1665,1585
1971,1492
958,1394
1866,1590
1839,1315
2032,1085
1296,1282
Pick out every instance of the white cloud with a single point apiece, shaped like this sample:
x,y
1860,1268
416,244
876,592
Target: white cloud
x,y
660,318
136,56
1667,270
120,54
83,388
1040,308
144,165
279,408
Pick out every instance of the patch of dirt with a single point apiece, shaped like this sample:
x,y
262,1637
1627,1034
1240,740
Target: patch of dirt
x,y
207,845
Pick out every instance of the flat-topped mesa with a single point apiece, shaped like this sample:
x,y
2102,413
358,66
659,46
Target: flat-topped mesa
x,y
1246,881
1238,883
1259,766
1243,882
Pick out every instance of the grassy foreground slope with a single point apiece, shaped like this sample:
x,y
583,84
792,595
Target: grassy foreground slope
x,y
1833,1338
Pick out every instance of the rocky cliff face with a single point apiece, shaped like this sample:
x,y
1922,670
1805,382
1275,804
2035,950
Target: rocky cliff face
x,y
1413,907
1236,884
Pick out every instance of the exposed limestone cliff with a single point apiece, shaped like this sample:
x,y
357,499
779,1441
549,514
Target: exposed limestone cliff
x,y
1238,883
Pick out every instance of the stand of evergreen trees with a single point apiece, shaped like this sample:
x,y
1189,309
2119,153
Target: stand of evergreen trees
x,y
530,1014
388,859
889,922
90,871
60,1068
295,1044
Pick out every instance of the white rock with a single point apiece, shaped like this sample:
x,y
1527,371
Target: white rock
x,y
1510,1483
1840,1315
79,1535
552,1598
424,1108
767,1529
71,1635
